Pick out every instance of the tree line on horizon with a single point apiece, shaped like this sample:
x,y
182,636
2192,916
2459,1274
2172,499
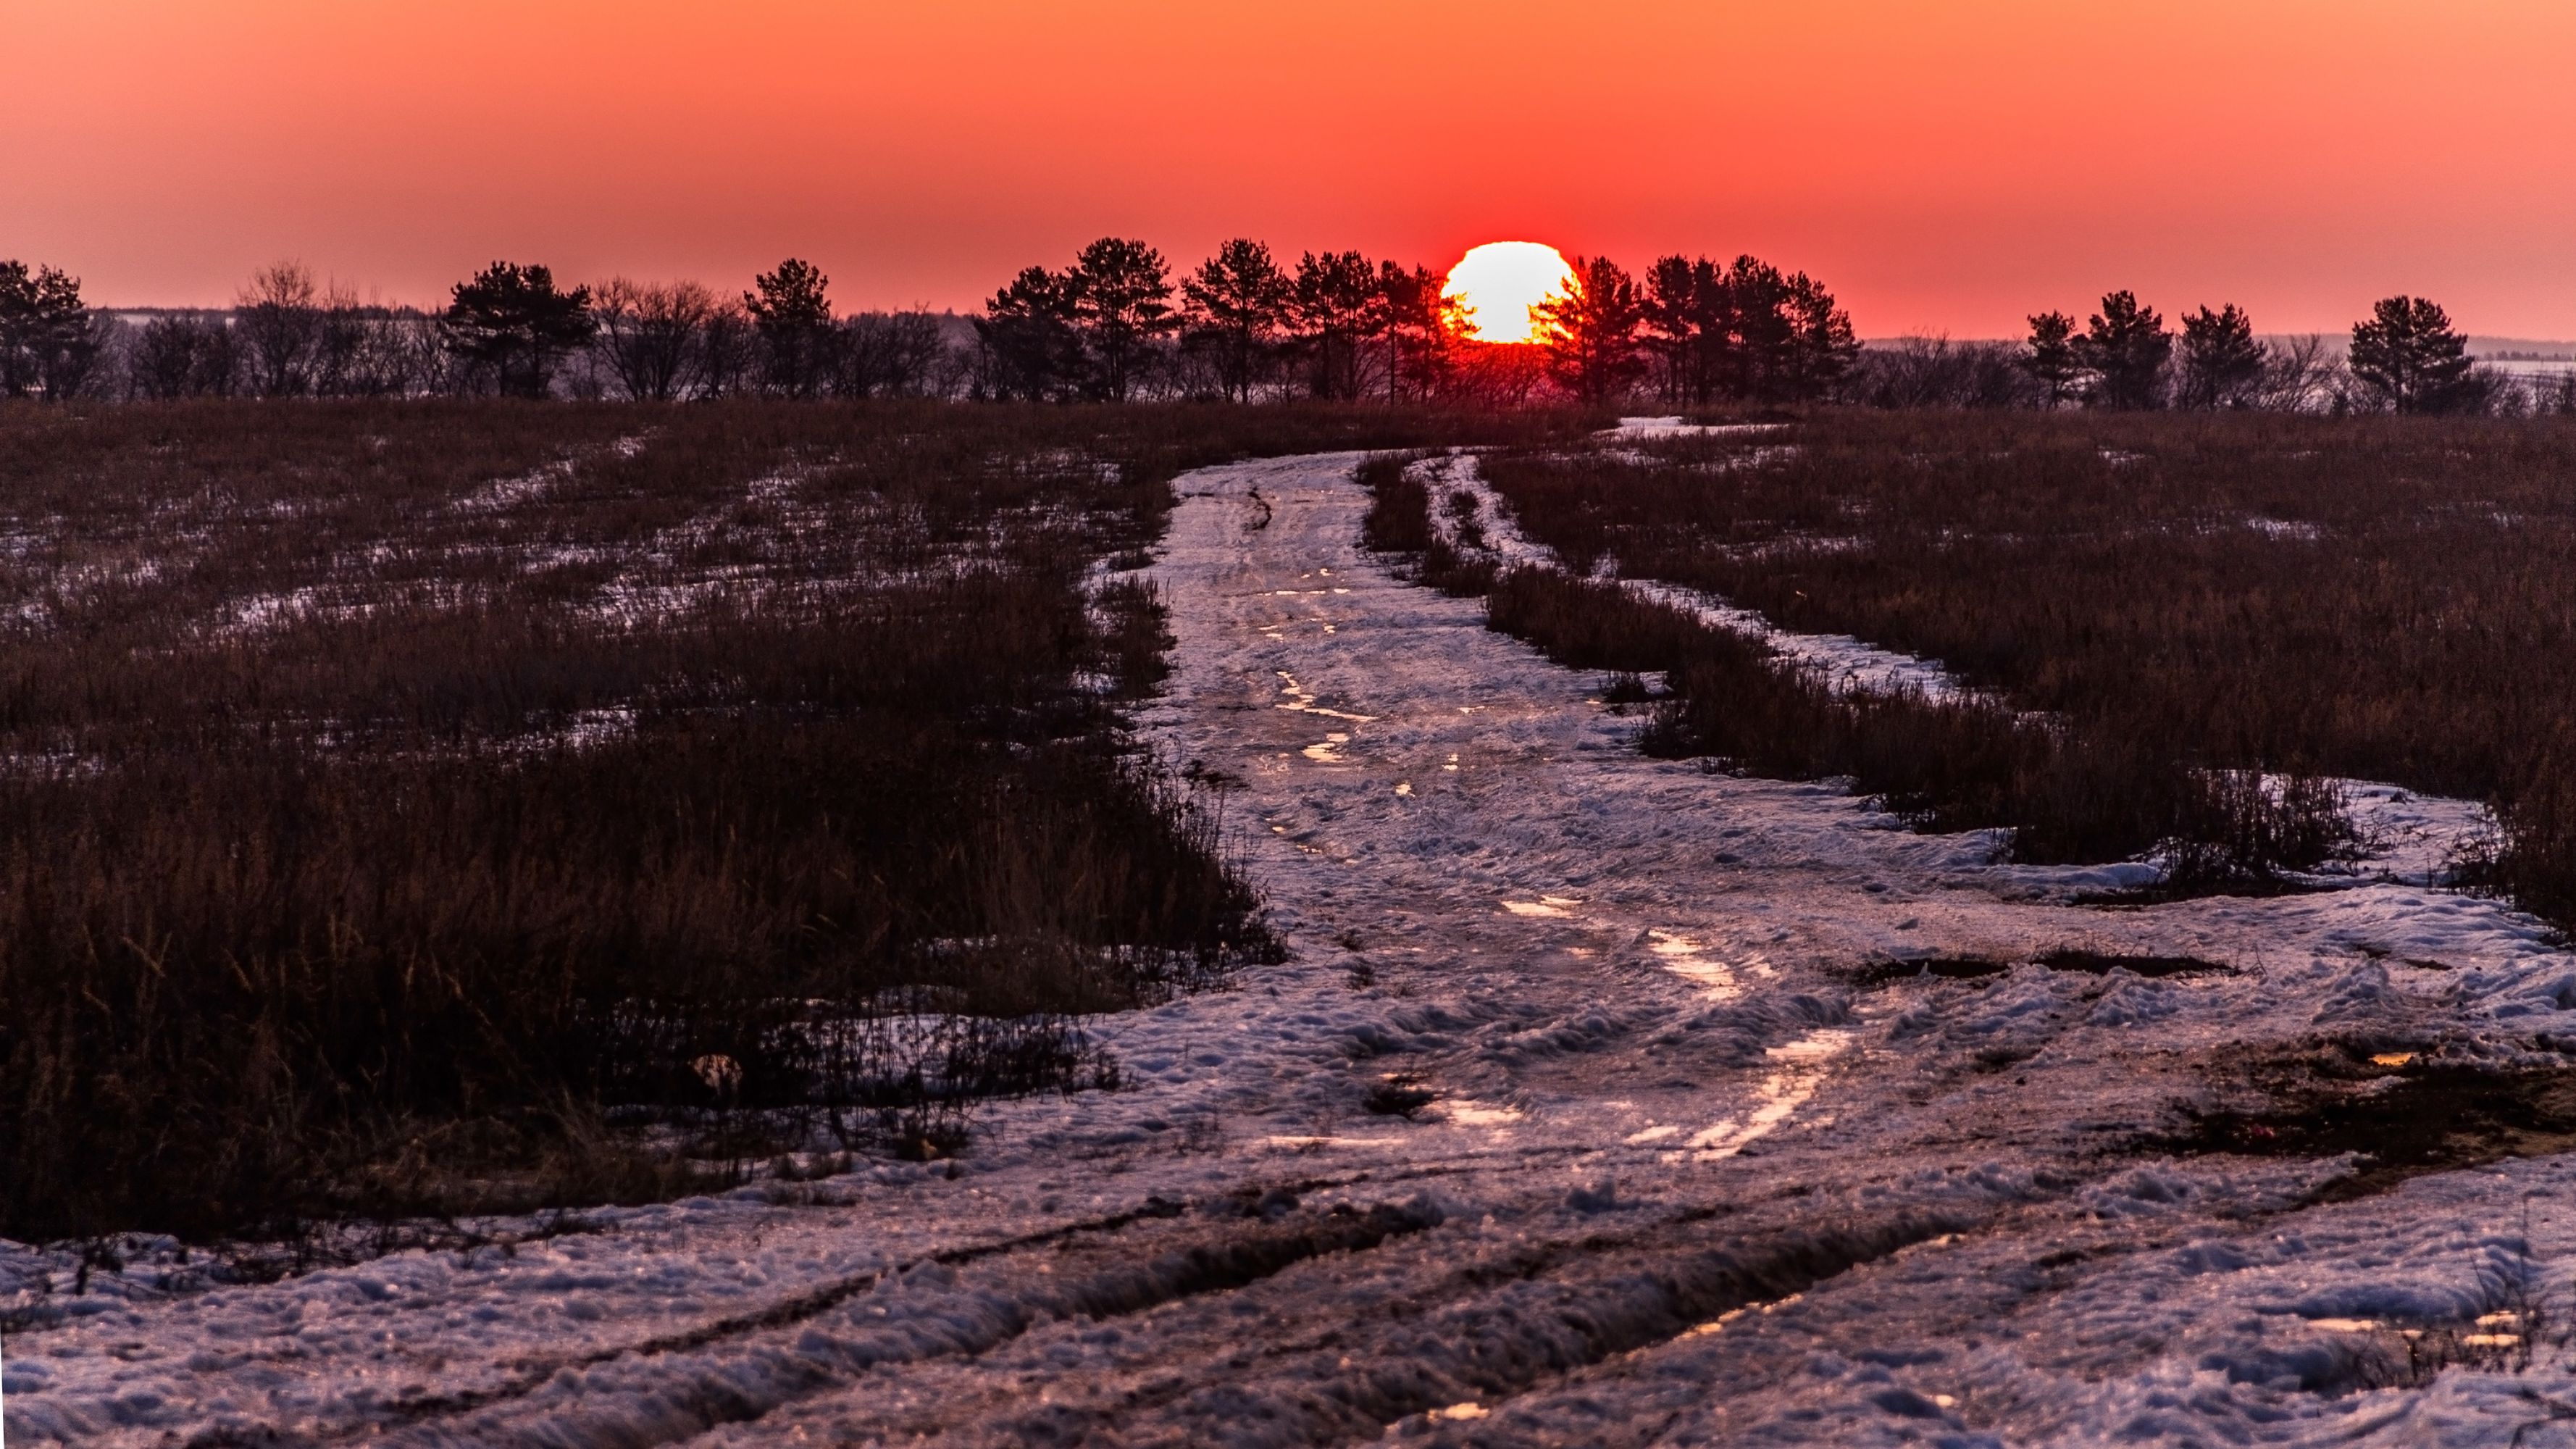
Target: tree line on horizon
x,y
2405,357
1116,325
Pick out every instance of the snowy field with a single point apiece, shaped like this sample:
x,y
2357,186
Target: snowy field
x,y
1693,1159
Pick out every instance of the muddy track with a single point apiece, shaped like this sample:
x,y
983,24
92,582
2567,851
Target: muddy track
x,y
694,1392
1587,1110
1596,1298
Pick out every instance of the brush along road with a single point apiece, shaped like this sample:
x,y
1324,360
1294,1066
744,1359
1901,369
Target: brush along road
x,y
1594,1106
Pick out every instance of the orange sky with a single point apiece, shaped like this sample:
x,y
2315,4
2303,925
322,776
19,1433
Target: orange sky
x,y
1942,164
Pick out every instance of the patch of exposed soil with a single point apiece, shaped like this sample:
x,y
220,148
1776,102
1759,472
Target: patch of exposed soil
x,y
2067,958
2413,1121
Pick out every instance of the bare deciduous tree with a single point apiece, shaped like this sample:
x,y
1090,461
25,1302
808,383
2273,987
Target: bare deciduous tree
x,y
277,321
890,354
2299,375
1935,372
654,335
178,357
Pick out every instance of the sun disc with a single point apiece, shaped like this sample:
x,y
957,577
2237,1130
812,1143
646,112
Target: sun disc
x,y
1500,281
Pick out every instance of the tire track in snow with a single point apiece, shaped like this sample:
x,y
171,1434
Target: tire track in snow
x,y
1686,963
678,1399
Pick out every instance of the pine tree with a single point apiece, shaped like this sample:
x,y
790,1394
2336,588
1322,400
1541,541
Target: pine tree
x,y
1337,302
2409,356
1424,325
48,338
510,320
1590,330
2125,346
1685,310
1821,343
2053,358
1236,304
1030,347
1783,339
2221,362
792,309
1120,295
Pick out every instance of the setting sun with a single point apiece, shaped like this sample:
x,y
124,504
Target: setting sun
x,y
1500,281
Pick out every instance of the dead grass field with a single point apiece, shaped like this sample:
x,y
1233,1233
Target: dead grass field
x,y
429,807
2376,597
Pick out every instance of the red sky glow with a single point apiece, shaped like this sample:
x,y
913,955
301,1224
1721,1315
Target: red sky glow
x,y
1944,165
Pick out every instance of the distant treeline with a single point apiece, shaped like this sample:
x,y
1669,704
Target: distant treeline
x,y
1115,325
2405,357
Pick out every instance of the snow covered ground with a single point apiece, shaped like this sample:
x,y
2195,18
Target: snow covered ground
x,y
1700,1163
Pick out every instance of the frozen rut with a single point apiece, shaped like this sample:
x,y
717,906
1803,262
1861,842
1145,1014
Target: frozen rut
x,y
1684,1177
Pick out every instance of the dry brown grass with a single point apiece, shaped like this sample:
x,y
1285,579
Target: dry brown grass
x,y
401,803
2376,597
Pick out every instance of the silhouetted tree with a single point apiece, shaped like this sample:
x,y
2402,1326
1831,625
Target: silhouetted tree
x,y
728,351
1590,330
1337,304
178,357
1423,326
1030,347
1934,372
1121,307
2054,359
1785,338
1687,325
791,308
889,354
2558,397
2408,357
49,340
343,364
1236,305
651,335
2125,346
278,320
2297,373
2221,364
511,321
1822,345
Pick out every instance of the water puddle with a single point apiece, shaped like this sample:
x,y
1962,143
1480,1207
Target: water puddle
x,y
1302,701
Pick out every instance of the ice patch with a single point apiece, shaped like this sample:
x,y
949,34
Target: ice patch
x,y
1800,1072
1688,959
1301,700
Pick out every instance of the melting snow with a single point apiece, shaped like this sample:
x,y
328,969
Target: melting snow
x,y
1810,1211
